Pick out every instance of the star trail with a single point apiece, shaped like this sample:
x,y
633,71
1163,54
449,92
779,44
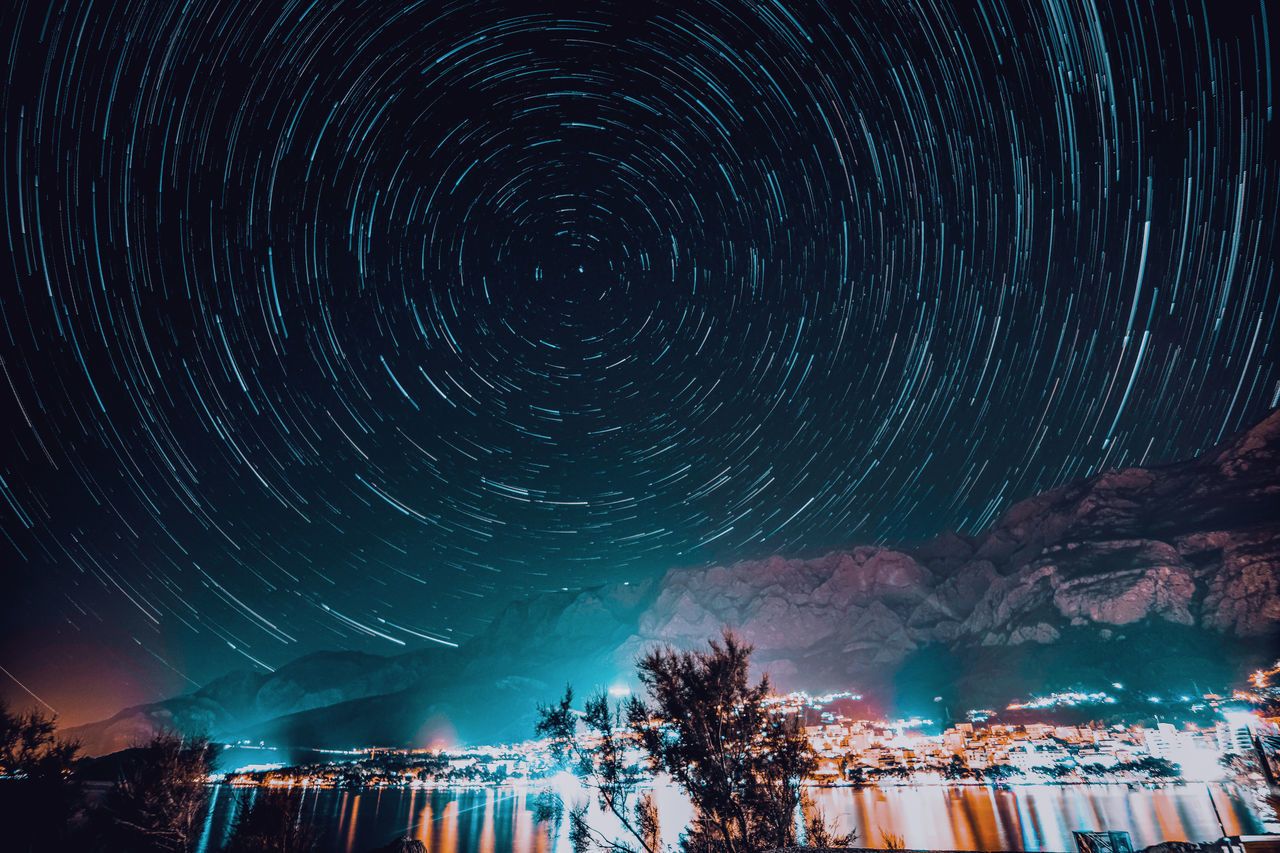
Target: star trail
x,y
340,325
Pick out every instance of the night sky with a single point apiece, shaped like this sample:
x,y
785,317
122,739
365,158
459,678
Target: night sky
x,y
324,325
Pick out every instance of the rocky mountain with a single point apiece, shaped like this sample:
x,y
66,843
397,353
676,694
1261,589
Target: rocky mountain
x,y
1142,574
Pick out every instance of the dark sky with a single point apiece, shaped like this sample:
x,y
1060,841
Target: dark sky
x,y
331,326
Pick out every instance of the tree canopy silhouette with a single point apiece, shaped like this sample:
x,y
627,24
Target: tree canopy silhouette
x,y
601,759
161,794
38,796
739,758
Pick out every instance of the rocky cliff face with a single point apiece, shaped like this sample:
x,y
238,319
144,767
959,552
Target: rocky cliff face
x,y
1192,548
1194,544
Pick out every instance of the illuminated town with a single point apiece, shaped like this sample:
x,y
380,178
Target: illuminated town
x,y
1238,745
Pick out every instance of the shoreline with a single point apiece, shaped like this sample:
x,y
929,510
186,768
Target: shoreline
x,y
546,782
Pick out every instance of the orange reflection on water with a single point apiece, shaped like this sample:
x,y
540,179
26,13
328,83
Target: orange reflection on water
x,y
424,822
447,837
351,822
1168,822
527,834
486,830
1031,817
965,814
1026,817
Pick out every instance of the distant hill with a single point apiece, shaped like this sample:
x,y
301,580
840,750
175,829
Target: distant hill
x,y
1151,576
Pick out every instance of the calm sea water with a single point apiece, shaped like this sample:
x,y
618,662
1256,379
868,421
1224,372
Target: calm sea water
x,y
500,820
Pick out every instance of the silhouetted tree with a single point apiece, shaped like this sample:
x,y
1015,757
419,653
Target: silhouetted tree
x,y
956,768
853,771
816,831
548,807
1000,772
1054,771
703,723
28,748
269,820
38,795
594,746
740,761
160,797
892,841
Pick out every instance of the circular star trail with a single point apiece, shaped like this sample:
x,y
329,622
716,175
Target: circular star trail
x,y
340,325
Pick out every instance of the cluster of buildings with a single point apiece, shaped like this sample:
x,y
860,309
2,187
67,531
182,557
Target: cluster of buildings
x,y
864,749
381,767
855,751
1242,742
1027,749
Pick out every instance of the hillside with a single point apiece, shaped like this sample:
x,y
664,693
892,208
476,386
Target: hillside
x,y
1149,575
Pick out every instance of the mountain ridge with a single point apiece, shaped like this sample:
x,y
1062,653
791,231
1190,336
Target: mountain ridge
x,y
1126,562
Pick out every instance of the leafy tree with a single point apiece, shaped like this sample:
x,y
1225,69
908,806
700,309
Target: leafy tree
x,y
548,807
1149,765
596,751
28,748
38,796
853,770
161,795
1000,772
710,729
891,841
269,820
704,724
1054,771
816,831
956,768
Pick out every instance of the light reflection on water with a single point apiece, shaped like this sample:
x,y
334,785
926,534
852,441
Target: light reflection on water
x,y
1036,817
500,820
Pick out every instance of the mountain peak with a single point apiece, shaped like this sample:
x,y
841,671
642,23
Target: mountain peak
x,y
1146,573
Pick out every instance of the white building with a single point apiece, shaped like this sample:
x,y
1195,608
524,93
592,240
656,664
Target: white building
x,y
1165,741
1235,732
1027,756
